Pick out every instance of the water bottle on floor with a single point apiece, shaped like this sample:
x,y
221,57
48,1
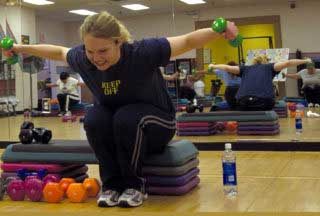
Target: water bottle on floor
x,y
229,171
298,123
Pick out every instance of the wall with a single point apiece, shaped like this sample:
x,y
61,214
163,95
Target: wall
x,y
58,33
22,22
297,25
222,52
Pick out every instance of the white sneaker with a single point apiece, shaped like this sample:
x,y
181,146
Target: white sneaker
x,y
108,198
132,198
61,114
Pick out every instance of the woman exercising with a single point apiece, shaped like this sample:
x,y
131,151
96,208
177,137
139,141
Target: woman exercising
x,y
133,115
256,88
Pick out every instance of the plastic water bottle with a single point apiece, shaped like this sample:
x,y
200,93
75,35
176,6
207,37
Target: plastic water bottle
x,y
298,120
229,171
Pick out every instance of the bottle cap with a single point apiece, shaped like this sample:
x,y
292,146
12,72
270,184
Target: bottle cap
x,y
227,146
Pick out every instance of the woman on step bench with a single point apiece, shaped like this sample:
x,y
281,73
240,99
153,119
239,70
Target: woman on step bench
x,y
133,115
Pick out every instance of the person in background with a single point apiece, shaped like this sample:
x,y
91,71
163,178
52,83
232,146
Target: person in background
x,y
256,90
232,83
185,82
311,82
68,94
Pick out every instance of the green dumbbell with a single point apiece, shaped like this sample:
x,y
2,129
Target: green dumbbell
x,y
7,43
220,25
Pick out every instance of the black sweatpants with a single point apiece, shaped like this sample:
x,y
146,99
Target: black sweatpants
x,y
187,92
312,94
252,103
230,96
62,98
122,138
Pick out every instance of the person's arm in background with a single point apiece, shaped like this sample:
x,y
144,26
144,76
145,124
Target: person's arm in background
x,y
48,51
197,76
81,84
230,69
171,77
196,39
290,63
293,76
51,85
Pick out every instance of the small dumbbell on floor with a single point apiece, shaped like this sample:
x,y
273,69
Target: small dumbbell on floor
x,y
29,184
28,134
78,192
192,107
71,118
54,192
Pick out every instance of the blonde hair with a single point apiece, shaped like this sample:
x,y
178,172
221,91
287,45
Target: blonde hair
x,y
260,59
104,25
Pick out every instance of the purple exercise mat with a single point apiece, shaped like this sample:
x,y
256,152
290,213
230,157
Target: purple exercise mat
x,y
172,180
194,124
70,174
196,133
174,191
78,178
274,132
186,129
258,123
52,168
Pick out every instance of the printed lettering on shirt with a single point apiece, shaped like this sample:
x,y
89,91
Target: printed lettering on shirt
x,y
111,88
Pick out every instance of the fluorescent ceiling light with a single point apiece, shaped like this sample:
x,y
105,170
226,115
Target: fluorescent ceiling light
x,y
193,1
83,12
38,2
135,7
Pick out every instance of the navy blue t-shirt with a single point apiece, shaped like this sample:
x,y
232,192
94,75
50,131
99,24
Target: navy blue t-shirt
x,y
135,78
256,80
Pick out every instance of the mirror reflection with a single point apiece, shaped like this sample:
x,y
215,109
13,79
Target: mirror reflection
x,y
30,87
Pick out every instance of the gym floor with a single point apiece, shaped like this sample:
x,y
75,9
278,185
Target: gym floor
x,y
270,182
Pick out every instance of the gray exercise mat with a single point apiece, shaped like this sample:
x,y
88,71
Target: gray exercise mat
x,y
258,123
176,153
56,146
170,171
274,132
258,128
240,116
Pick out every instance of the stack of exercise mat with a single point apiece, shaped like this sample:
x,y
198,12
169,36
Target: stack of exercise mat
x,y
249,122
173,172
80,109
205,101
281,109
199,128
180,104
296,100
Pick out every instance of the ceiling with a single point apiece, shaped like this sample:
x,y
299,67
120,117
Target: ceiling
x,y
59,10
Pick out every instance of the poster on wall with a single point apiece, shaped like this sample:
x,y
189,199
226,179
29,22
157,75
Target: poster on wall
x,y
25,39
274,55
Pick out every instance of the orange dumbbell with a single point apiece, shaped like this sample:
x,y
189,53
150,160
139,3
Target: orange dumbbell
x,y
65,182
53,192
78,192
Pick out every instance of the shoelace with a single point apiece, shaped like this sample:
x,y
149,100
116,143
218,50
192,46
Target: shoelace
x,y
130,192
